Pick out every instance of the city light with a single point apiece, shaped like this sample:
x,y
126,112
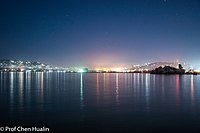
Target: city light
x,y
81,70
28,66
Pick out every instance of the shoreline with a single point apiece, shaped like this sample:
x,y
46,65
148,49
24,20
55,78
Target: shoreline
x,y
99,72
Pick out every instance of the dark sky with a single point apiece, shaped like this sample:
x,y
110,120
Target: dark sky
x,y
100,32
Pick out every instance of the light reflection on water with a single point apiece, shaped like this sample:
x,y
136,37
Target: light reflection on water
x,y
97,91
93,97
81,92
117,89
178,92
147,76
21,90
192,93
12,75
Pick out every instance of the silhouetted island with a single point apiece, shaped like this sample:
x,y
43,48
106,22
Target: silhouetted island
x,y
168,70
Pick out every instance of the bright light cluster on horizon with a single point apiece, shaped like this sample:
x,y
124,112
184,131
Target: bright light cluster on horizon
x,y
81,71
109,69
27,66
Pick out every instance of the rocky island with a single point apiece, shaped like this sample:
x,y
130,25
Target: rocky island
x,y
168,70
172,70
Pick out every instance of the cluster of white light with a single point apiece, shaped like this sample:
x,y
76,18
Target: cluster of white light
x,y
81,71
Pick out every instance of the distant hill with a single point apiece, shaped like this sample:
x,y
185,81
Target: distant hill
x,y
15,65
152,66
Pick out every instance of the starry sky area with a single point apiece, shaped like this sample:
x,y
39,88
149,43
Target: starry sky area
x,y
100,32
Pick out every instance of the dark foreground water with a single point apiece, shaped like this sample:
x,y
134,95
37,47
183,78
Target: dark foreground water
x,y
97,102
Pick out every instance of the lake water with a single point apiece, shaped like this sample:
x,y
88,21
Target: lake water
x,y
101,102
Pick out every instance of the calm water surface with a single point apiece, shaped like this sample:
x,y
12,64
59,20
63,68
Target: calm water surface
x,y
101,102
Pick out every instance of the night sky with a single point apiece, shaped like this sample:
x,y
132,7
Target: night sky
x,y
100,32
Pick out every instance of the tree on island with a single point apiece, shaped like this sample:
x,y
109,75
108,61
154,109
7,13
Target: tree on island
x,y
180,66
169,70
